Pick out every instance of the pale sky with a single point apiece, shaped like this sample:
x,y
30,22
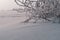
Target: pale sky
x,y
7,4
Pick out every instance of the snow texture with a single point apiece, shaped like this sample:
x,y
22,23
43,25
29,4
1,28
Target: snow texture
x,y
12,29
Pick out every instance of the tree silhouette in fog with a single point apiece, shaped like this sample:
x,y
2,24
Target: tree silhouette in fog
x,y
40,9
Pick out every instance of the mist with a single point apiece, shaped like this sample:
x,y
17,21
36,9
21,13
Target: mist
x,y
7,4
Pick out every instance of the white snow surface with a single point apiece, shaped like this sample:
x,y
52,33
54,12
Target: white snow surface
x,y
12,29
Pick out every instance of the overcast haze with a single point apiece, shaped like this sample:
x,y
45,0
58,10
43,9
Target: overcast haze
x,y
7,4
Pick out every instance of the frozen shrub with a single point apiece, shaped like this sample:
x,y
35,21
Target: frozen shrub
x,y
43,9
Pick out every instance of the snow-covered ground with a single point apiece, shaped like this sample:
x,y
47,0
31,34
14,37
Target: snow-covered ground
x,y
10,17
12,29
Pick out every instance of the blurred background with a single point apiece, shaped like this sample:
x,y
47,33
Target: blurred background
x,y
7,4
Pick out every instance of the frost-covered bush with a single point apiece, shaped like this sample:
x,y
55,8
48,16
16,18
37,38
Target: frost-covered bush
x,y
40,9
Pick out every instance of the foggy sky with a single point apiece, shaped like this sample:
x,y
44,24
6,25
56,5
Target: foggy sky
x,y
7,4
